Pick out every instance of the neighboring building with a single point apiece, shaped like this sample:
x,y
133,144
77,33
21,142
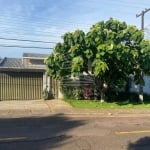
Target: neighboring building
x,y
146,87
24,78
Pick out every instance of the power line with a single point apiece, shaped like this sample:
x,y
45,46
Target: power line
x,y
40,23
66,23
120,2
52,24
35,35
25,40
21,46
28,31
26,34
40,32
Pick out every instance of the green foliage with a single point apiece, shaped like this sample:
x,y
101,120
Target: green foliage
x,y
67,91
71,92
99,67
117,101
77,65
114,49
77,93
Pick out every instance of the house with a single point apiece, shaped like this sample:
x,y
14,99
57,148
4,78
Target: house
x,y
146,87
25,78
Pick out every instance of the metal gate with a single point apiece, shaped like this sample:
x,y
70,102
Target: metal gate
x,y
21,85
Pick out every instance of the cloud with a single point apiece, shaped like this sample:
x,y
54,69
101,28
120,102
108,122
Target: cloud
x,y
49,19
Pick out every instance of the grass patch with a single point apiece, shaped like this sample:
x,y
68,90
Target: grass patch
x,y
118,102
99,105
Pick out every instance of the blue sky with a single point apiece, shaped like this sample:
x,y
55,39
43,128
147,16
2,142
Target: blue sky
x,y
48,20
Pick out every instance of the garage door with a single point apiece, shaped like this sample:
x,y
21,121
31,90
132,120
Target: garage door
x,y
21,85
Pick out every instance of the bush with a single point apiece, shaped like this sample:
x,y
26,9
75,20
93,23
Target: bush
x,y
77,92
70,92
47,94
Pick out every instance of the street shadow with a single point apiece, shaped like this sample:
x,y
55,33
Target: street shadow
x,y
141,144
36,133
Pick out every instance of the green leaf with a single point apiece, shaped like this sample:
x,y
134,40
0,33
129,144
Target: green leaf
x,y
88,53
99,67
77,64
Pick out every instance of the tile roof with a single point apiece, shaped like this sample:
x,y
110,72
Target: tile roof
x,y
16,63
11,63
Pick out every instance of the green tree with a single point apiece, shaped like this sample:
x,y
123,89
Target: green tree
x,y
109,53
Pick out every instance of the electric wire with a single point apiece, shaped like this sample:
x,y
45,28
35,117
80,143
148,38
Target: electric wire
x,y
53,22
64,22
25,40
21,46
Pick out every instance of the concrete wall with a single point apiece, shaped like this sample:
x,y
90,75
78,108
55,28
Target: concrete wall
x,y
52,86
60,95
46,82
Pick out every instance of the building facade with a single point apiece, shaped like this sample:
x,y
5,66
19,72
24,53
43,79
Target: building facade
x,y
25,78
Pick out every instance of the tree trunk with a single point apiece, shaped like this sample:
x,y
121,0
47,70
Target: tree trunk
x,y
141,100
100,90
141,93
103,91
102,96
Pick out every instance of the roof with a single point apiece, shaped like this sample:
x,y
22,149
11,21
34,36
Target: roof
x,y
17,64
35,55
11,63
1,60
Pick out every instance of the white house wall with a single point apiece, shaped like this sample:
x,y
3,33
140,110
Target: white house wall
x,y
146,88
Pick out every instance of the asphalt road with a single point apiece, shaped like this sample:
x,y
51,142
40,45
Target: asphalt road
x,y
59,132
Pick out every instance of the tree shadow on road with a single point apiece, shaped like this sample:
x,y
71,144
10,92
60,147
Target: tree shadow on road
x,y
141,144
36,133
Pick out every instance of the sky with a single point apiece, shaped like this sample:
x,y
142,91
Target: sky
x,y
45,21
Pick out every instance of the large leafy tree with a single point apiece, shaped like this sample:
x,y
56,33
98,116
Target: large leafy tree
x,y
109,53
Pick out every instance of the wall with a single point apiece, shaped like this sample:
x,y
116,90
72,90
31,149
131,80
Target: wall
x,y
51,85
146,88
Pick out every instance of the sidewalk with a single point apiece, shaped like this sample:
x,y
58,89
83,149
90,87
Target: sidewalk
x,y
62,107
12,109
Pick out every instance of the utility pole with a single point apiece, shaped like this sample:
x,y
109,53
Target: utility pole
x,y
142,17
141,74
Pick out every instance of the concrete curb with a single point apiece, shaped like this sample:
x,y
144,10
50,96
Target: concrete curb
x,y
100,114
61,107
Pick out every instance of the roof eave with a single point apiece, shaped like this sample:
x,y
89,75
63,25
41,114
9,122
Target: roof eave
x,y
22,69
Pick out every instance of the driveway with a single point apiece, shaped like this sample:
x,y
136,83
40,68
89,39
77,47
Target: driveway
x,y
12,109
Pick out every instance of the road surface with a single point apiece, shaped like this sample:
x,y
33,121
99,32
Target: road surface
x,y
78,132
